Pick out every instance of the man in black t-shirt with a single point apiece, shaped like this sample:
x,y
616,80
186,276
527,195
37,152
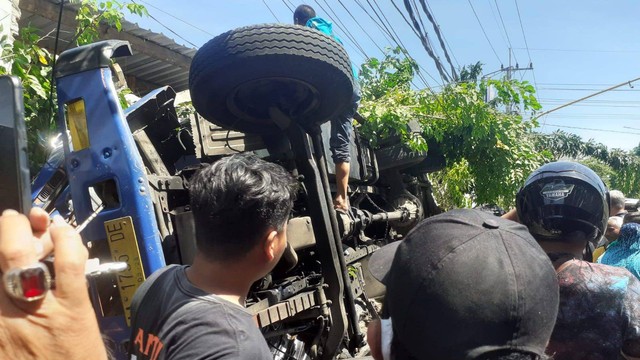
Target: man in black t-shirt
x,y
240,205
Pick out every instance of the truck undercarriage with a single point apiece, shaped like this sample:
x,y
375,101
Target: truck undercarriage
x,y
268,89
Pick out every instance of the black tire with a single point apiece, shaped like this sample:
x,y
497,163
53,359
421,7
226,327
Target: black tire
x,y
236,77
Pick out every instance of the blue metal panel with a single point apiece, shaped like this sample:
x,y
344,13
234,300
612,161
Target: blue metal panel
x,y
112,154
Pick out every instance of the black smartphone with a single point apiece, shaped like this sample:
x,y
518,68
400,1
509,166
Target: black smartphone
x,y
15,184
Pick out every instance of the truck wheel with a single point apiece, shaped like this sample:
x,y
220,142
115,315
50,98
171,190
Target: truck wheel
x,y
236,77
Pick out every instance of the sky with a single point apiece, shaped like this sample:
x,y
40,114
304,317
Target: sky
x,y
577,48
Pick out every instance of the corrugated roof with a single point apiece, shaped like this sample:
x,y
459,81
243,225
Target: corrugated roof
x,y
157,61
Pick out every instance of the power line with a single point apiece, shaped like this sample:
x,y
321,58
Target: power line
x,y
425,43
385,31
593,129
271,11
177,18
360,26
582,50
288,6
495,20
578,84
344,28
592,101
407,53
526,44
522,28
418,73
436,28
584,89
170,30
445,39
505,29
484,32
634,116
595,105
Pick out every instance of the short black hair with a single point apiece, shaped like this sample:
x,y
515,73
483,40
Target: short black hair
x,y
302,14
235,201
511,355
399,352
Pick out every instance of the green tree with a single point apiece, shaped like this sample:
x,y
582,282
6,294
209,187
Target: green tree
x,y
33,63
625,165
489,153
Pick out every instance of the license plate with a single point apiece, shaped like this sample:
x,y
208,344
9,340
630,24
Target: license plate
x,y
124,247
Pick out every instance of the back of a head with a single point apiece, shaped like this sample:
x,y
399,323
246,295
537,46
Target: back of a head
x,y
564,202
617,201
302,14
512,355
235,201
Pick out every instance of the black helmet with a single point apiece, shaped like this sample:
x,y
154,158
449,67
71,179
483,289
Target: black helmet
x,y
564,201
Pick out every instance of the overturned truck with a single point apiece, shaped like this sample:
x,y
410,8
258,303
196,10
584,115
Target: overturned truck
x,y
268,89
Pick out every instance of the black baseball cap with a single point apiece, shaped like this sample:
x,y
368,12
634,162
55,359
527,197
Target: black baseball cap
x,y
465,283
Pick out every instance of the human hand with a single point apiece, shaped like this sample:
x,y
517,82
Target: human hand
x,y
62,325
511,215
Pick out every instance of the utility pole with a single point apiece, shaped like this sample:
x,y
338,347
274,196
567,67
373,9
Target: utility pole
x,y
509,70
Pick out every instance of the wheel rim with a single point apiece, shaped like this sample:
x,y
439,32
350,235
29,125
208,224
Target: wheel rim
x,y
252,100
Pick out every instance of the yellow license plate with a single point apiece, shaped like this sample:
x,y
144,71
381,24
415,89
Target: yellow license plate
x,y
124,247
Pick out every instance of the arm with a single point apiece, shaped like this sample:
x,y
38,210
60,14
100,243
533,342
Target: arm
x,y
374,339
62,325
511,215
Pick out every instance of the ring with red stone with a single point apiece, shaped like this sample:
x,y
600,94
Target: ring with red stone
x,y
29,283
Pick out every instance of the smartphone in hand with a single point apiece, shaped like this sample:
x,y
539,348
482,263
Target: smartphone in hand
x,y
15,183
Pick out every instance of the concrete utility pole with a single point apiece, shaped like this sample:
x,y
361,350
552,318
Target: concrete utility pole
x,y
509,70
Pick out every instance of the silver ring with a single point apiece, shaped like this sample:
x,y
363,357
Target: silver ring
x,y
29,283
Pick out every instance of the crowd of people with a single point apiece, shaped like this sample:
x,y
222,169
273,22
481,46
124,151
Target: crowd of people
x,y
555,278
464,284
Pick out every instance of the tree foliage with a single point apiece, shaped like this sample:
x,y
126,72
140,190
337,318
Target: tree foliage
x,y
624,174
32,63
488,152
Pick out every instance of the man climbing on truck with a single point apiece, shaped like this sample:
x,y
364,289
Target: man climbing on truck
x,y
341,126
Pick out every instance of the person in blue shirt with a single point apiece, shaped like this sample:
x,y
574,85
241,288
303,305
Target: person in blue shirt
x,y
341,126
625,251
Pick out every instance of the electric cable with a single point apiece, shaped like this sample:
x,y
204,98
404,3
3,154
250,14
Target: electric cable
x,y
360,26
443,74
169,29
177,18
398,37
343,27
415,32
526,44
593,129
440,37
505,29
484,32
398,43
271,11
288,6
53,62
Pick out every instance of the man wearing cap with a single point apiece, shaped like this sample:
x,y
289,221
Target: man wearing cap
x,y
564,205
464,285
